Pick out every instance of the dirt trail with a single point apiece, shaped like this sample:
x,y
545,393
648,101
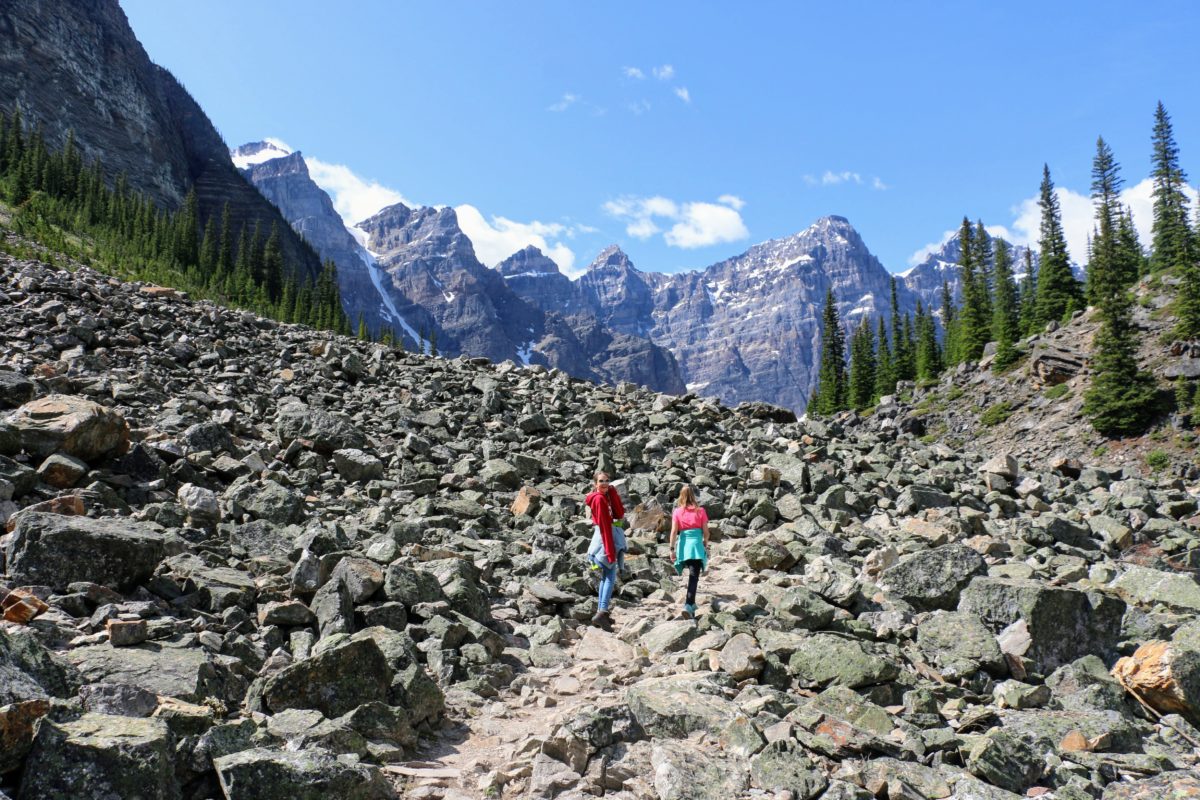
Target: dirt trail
x,y
495,745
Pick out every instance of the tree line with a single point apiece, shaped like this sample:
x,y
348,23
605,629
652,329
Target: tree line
x,y
993,307
72,207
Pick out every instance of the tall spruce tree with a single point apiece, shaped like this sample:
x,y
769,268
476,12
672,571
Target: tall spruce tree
x,y
949,326
885,370
1058,293
975,324
861,385
830,395
1121,397
1027,301
929,357
1005,323
1171,245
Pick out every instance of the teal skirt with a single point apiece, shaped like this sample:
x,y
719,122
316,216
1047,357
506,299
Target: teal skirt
x,y
690,547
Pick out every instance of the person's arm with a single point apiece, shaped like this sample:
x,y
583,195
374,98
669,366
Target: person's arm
x,y
704,527
674,532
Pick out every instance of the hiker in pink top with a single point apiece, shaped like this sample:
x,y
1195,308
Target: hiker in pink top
x,y
689,527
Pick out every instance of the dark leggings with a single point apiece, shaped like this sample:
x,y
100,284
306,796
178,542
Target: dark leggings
x,y
694,565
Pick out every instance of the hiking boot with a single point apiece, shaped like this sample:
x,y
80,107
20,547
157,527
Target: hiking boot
x,y
689,611
602,620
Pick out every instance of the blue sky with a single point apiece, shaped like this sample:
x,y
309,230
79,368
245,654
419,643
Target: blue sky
x,y
685,132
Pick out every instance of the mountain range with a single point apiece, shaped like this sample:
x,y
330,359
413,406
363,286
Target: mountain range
x,y
746,328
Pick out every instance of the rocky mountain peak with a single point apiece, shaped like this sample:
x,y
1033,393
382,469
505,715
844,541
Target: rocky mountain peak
x,y
528,261
253,153
611,257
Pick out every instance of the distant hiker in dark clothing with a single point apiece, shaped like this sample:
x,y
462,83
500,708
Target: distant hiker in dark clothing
x,y
607,549
689,528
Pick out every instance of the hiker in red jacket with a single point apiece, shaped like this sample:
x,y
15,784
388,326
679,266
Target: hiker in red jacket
x,y
607,549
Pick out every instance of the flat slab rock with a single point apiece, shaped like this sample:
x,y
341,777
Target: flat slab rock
x,y
100,755
56,550
310,774
163,668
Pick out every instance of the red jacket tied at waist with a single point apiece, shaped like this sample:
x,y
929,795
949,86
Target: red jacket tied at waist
x,y
606,506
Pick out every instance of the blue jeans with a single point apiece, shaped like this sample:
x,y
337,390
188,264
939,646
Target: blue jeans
x,y
608,582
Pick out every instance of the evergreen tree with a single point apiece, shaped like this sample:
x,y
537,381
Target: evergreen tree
x,y
861,386
1059,294
209,250
1027,302
902,357
273,265
950,327
929,357
1171,246
975,325
1121,397
363,335
885,371
1005,323
433,351
225,246
830,394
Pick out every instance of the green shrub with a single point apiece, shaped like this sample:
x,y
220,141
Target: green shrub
x,y
953,393
1057,392
996,414
1157,460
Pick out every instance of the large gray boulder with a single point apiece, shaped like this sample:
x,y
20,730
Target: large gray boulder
x,y
310,774
1063,624
56,550
327,431
333,682
933,579
170,669
75,426
101,756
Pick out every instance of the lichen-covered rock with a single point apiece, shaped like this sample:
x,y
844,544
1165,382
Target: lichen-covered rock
x,y
677,705
327,431
784,766
100,755
57,550
28,671
1063,624
1146,586
959,644
333,682
827,659
933,579
169,668
1005,760
310,774
684,773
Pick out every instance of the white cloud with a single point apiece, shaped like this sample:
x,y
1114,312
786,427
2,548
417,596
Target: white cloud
x,y
568,99
691,224
732,200
280,143
830,178
683,94
633,72
353,197
931,248
498,239
878,185
639,107
1079,216
664,73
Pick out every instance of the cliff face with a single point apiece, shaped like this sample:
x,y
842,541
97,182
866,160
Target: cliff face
x,y
285,181
75,65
